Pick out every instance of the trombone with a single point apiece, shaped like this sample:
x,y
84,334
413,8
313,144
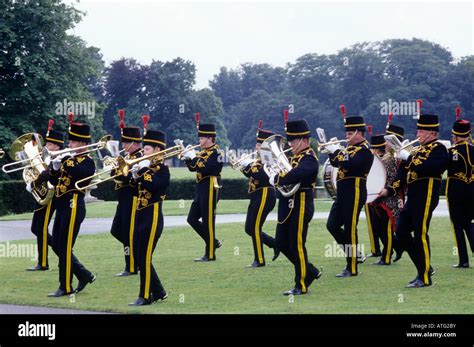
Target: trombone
x,y
122,165
48,155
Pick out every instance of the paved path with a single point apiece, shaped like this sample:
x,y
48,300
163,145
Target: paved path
x,y
20,230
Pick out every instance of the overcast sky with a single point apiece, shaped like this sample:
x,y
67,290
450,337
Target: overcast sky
x,y
215,34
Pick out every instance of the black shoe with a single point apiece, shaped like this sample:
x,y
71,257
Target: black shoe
x,y
276,253
38,268
255,264
203,259
294,291
140,302
315,277
417,284
380,262
374,255
432,271
83,284
158,296
58,293
361,259
345,273
398,256
218,244
125,273
461,266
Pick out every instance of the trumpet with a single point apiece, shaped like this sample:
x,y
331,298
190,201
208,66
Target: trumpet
x,y
322,146
123,165
237,163
2,153
46,155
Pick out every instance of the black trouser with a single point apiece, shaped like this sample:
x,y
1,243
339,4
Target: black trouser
x,y
123,229
373,228
204,207
261,204
461,205
149,226
39,227
69,215
384,227
422,199
291,234
344,217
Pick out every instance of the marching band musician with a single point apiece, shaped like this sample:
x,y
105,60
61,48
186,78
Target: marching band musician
x,y
384,212
123,225
71,210
208,166
262,201
354,163
152,178
422,175
54,141
296,212
459,189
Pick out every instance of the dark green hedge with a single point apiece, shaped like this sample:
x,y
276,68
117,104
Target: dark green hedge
x,y
15,199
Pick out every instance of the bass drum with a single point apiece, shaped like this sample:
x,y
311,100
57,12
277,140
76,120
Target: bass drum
x,y
375,181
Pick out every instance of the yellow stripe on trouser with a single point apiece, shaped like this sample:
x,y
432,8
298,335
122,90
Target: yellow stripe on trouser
x,y
44,246
70,234
424,231
149,250
132,231
210,218
450,217
369,227
389,242
353,226
300,241
257,225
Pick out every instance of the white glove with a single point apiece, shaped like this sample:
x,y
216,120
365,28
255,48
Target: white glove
x,y
334,147
134,171
188,154
57,162
403,154
29,187
246,162
272,179
143,163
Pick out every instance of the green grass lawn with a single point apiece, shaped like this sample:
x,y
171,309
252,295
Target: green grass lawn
x,y
226,286
106,209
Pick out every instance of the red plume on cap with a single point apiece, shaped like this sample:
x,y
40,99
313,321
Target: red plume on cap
x,y
145,119
122,117
389,120
285,115
50,126
343,111
369,129
260,126
419,103
70,118
458,113
197,117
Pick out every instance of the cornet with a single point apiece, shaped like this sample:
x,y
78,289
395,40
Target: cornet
x,y
235,163
322,143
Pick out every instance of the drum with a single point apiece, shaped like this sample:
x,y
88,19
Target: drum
x,y
375,181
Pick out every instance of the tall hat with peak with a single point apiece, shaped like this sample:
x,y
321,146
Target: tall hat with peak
x,y
393,129
204,130
296,129
428,122
131,133
262,135
54,136
78,131
461,127
352,123
154,138
378,141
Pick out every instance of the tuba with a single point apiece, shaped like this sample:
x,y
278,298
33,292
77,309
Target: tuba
x,y
28,150
275,162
